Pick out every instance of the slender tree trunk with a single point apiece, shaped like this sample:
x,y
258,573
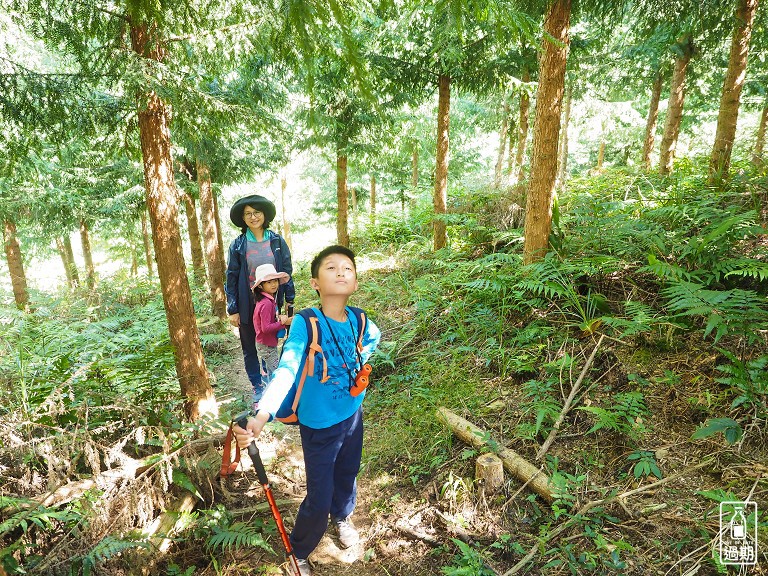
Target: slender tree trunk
x,y
222,254
562,150
15,265
720,159
211,233
600,155
675,108
415,167
71,259
353,195
85,240
497,175
511,151
522,136
653,116
440,196
342,197
162,202
65,261
546,129
145,237
198,265
286,221
757,154
134,263
373,200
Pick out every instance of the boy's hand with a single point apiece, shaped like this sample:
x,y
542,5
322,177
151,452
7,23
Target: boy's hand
x,y
285,320
252,429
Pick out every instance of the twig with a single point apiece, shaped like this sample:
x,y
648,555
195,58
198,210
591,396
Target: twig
x,y
568,402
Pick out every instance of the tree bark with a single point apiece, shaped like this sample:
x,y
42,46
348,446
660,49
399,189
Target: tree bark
x,y
600,155
440,195
373,200
145,238
546,129
211,235
198,265
515,464
222,253
522,130
342,198
562,150
286,221
720,159
497,175
71,258
675,108
15,265
162,198
85,240
66,262
653,116
511,151
757,154
415,167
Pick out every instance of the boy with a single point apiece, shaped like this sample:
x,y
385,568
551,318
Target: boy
x,y
330,418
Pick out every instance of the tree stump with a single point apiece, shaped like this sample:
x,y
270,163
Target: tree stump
x,y
489,473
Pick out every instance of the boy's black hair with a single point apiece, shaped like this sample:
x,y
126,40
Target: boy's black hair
x,y
335,249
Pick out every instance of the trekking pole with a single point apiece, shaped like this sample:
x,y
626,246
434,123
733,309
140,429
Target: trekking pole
x,y
253,451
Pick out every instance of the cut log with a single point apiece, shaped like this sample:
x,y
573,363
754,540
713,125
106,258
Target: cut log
x,y
515,464
489,473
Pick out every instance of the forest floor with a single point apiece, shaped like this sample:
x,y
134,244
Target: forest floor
x,y
410,528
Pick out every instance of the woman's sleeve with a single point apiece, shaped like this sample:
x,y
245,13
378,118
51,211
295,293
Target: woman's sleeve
x,y
290,290
233,273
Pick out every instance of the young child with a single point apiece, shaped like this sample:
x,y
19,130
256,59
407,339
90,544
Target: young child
x,y
330,418
266,323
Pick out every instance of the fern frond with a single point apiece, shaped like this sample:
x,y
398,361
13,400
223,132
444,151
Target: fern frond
x,y
108,547
238,535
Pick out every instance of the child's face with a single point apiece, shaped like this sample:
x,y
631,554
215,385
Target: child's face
x,y
270,286
336,275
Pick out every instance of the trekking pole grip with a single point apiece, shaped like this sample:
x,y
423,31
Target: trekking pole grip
x,y
253,452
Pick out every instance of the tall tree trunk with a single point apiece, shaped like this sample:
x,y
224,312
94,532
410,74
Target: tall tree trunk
x,y
198,265
757,154
546,129
562,150
342,198
675,107
440,196
653,116
720,159
373,200
222,254
66,262
415,166
600,154
85,240
353,195
134,263
511,151
211,234
146,240
286,221
522,135
154,133
71,259
15,265
497,175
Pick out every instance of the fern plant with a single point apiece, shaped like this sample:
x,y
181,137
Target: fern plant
x,y
748,379
626,416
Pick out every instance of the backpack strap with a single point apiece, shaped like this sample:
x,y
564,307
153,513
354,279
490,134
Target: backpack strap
x,y
362,320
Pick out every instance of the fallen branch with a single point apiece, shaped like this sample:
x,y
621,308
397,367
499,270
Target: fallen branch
x,y
567,405
515,464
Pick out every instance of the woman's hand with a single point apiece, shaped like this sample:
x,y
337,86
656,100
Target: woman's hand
x,y
252,430
234,319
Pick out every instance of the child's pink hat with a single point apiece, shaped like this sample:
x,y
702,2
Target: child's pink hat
x,y
267,272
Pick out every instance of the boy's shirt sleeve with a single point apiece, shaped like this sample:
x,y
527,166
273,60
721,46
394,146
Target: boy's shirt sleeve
x,y
290,364
371,339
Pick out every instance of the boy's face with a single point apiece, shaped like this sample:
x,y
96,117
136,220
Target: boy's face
x,y
336,275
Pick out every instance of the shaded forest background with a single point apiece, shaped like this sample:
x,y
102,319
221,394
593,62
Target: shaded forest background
x,y
560,212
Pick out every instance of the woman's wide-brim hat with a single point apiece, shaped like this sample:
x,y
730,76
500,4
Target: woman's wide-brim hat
x,y
267,272
255,201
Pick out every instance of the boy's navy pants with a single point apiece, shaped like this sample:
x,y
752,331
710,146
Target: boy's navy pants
x,y
332,460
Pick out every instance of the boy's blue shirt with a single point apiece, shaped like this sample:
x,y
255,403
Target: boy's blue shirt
x,y
321,404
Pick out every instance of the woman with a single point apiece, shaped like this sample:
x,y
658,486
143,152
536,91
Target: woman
x,y
255,246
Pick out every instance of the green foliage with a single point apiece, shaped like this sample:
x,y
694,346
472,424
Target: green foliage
x,y
645,464
731,429
468,562
749,380
626,416
109,547
238,535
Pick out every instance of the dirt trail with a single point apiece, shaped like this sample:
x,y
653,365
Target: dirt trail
x,y
383,549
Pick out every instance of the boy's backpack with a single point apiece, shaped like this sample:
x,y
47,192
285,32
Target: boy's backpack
x,y
287,412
